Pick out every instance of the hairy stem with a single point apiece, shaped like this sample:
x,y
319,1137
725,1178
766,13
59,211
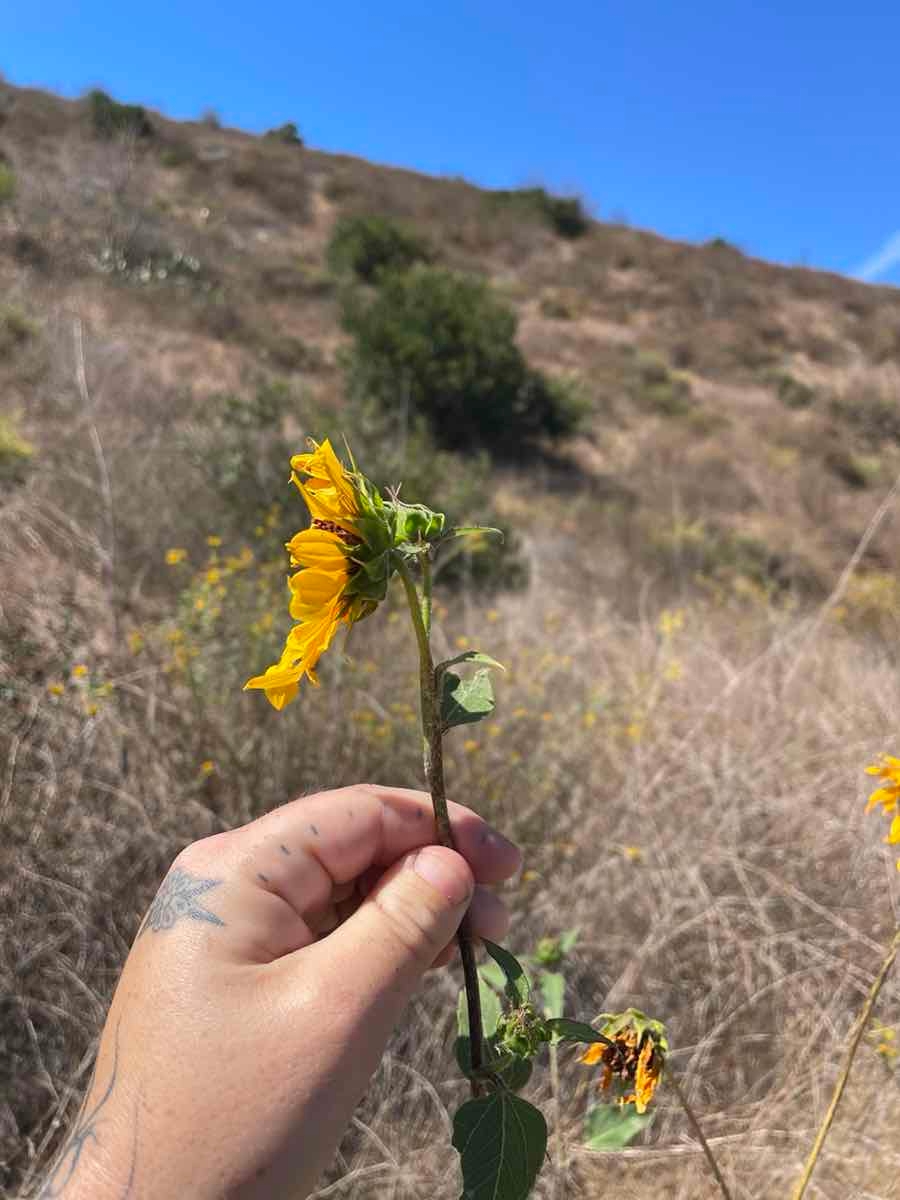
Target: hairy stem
x,y
853,1045
700,1135
433,754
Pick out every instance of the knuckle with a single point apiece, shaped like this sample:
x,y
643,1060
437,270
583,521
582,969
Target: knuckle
x,y
410,922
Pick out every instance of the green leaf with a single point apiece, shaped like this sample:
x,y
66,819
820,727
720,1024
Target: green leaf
x,y
465,701
553,991
575,1031
517,985
501,1141
492,974
469,656
568,939
490,1010
609,1127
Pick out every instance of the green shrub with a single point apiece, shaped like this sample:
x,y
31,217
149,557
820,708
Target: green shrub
x,y
7,183
15,452
15,330
288,134
369,246
564,214
443,345
792,392
111,119
654,386
872,412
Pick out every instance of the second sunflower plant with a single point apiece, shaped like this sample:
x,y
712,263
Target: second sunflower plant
x,y
356,542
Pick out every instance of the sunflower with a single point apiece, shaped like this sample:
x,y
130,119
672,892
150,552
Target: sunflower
x,y
633,1060
330,554
888,795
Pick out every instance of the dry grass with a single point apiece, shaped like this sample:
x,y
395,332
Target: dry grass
x,y
728,750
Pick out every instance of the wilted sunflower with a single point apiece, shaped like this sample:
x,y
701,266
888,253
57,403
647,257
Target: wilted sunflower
x,y
345,538
888,795
633,1060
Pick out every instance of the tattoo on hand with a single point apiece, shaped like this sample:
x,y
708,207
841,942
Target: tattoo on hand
x,y
177,898
84,1131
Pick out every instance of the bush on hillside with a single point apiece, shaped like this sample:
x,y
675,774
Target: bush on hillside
x,y
442,346
288,134
7,182
111,119
564,214
367,247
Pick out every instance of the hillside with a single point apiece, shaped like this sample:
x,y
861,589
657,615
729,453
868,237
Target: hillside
x,y
693,685
742,415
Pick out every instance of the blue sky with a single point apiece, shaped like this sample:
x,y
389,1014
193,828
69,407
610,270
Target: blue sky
x,y
771,124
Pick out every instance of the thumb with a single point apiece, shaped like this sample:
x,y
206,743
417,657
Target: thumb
x,y
382,951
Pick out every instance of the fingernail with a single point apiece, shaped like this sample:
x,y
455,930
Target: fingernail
x,y
445,871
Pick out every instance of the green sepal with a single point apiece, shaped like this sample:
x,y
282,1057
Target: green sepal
x,y
517,984
611,1127
414,522
468,530
632,1018
465,701
501,1140
469,656
564,1030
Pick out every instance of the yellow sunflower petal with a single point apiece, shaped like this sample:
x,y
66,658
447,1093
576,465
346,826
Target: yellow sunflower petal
x,y
886,796
593,1054
317,548
314,591
894,833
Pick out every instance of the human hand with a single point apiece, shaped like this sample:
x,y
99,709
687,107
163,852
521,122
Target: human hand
x,y
261,989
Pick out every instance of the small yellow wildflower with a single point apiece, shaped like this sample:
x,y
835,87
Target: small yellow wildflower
x,y
199,604
135,641
633,853
492,615
175,556
462,642
213,575
670,621
79,671
589,720
213,541
207,766
91,709
56,689
471,746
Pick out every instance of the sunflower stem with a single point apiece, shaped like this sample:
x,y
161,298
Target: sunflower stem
x,y
433,755
694,1122
852,1046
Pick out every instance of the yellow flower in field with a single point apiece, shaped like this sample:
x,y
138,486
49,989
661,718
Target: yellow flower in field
x,y
79,671
213,541
888,795
888,769
56,689
175,556
207,766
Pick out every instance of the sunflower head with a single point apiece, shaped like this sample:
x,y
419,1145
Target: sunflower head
x,y
633,1060
887,769
345,560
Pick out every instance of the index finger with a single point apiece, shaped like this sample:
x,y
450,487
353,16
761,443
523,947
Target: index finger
x,y
351,829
